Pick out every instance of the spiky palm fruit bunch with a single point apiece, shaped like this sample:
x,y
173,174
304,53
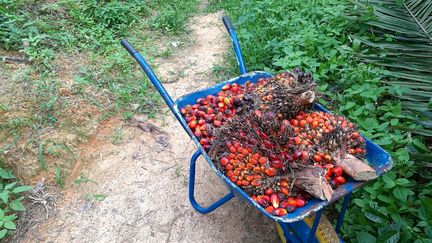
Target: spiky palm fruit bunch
x,y
286,94
321,138
261,131
323,135
256,158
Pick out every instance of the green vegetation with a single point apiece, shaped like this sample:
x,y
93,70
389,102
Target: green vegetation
x,y
80,38
10,201
401,43
317,35
78,76
361,73
117,136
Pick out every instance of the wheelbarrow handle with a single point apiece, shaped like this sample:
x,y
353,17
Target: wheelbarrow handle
x,y
237,49
128,47
151,75
192,199
227,23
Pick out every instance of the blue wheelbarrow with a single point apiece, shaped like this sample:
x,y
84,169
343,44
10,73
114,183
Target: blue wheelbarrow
x,y
305,224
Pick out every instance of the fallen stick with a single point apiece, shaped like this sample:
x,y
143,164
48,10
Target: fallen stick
x,y
14,59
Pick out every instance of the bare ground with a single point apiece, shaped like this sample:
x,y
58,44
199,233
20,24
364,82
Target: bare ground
x,y
140,193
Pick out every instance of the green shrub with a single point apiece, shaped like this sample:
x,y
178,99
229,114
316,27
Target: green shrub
x,y
10,201
100,23
41,28
277,35
175,15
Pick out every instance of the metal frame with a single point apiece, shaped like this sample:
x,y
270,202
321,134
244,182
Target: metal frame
x,y
294,229
300,232
192,200
236,44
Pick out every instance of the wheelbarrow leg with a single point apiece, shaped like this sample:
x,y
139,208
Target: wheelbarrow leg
x,y
287,233
315,226
342,213
192,200
300,231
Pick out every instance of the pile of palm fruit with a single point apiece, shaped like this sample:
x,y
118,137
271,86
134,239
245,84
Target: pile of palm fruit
x,y
266,139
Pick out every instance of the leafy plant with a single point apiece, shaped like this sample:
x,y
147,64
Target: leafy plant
x,y
174,17
83,179
10,201
399,38
117,136
318,36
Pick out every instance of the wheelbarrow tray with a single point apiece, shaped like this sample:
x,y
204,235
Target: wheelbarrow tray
x,y
377,157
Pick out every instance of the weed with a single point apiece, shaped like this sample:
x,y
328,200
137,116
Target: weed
x,y
278,35
117,136
127,115
10,201
49,102
180,173
83,179
40,157
99,197
59,176
174,17
95,197
3,107
165,53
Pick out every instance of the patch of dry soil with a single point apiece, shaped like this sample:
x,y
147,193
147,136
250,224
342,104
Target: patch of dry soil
x,y
141,193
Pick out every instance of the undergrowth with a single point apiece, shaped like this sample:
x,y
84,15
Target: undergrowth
x,y
280,35
37,100
11,201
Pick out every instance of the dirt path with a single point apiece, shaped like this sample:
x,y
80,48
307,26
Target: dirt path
x,y
141,193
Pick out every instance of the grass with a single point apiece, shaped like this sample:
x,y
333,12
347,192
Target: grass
x,y
94,197
279,35
180,173
117,136
77,77
79,41
83,179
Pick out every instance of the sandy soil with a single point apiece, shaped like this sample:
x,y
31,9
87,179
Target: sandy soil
x,y
140,193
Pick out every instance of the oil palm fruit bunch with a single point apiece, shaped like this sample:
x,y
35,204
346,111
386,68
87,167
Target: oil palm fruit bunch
x,y
326,133
322,138
256,158
286,94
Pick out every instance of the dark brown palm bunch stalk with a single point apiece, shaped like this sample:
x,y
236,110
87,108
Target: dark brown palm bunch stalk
x,y
286,94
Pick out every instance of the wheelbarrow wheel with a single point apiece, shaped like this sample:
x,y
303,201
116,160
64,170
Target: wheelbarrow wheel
x,y
324,234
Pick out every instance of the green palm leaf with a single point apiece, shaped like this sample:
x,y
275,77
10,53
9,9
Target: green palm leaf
x,y
401,42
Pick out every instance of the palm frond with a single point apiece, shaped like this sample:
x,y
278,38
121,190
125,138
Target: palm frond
x,y
401,42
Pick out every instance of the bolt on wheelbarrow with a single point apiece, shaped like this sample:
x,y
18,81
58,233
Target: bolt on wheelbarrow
x,y
303,225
